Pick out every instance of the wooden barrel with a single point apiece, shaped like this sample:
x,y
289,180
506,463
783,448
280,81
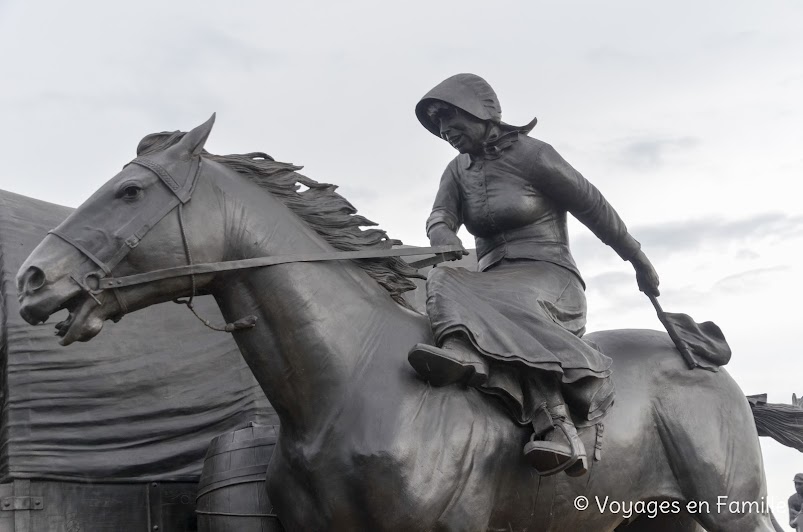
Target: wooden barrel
x,y
231,492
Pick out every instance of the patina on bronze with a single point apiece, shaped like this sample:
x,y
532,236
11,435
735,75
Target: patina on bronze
x,y
364,443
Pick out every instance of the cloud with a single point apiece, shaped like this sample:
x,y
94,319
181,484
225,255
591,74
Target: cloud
x,y
613,56
747,254
703,232
610,281
747,278
700,234
613,293
652,152
615,297
212,50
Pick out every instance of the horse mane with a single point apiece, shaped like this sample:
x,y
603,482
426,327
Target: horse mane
x,y
323,209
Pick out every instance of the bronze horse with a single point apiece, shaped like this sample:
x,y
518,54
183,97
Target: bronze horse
x,y
365,445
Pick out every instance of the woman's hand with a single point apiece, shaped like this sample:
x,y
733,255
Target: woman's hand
x,y
646,275
441,235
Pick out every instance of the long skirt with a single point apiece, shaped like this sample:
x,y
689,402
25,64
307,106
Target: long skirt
x,y
523,316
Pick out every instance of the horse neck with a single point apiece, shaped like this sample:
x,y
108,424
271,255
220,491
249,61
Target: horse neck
x,y
318,323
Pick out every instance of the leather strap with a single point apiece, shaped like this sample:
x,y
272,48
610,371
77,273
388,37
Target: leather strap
x,y
259,262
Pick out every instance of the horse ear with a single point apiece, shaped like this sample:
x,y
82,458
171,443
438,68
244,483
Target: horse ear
x,y
193,142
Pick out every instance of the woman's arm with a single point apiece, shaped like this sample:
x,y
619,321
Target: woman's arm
x,y
646,276
569,189
444,221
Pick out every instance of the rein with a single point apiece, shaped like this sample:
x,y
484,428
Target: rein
x,y
249,321
108,283
114,283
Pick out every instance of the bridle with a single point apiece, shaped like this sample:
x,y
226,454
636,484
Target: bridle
x,y
116,245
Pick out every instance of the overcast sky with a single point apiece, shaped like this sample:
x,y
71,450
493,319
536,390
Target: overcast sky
x,y
688,115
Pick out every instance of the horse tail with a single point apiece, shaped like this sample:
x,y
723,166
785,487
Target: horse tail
x,y
783,423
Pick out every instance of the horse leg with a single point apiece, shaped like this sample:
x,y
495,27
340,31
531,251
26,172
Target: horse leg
x,y
715,457
290,500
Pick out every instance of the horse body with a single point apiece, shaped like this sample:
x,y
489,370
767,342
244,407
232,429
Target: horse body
x,y
364,444
359,430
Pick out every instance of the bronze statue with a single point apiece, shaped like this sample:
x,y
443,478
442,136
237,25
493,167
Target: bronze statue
x,y
364,443
515,329
796,504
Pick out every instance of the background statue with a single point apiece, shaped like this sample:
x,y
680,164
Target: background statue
x,y
796,504
364,443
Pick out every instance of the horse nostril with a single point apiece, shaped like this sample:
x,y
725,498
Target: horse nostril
x,y
34,279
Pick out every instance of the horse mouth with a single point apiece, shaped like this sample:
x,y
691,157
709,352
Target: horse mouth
x,y
71,305
84,320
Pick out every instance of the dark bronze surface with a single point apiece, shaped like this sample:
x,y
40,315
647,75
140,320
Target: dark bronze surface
x,y
364,444
796,504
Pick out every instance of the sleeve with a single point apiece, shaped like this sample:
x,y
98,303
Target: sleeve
x,y
570,190
446,208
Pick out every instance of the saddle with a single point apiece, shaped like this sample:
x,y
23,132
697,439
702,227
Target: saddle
x,y
457,363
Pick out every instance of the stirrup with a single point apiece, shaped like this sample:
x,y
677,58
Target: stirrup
x,y
576,463
579,468
533,445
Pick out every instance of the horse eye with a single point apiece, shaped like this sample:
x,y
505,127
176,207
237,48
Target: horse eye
x,y
132,192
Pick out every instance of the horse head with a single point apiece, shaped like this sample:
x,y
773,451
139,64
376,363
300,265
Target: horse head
x,y
133,223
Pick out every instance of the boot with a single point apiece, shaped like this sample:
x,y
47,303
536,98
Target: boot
x,y
455,362
560,448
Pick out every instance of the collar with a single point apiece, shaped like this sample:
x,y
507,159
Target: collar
x,y
494,147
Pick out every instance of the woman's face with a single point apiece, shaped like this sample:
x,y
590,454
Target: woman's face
x,y
466,133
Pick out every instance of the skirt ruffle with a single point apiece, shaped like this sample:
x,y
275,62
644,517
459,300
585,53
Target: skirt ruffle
x,y
528,315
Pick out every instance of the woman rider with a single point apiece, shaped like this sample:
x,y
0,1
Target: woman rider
x,y
514,329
